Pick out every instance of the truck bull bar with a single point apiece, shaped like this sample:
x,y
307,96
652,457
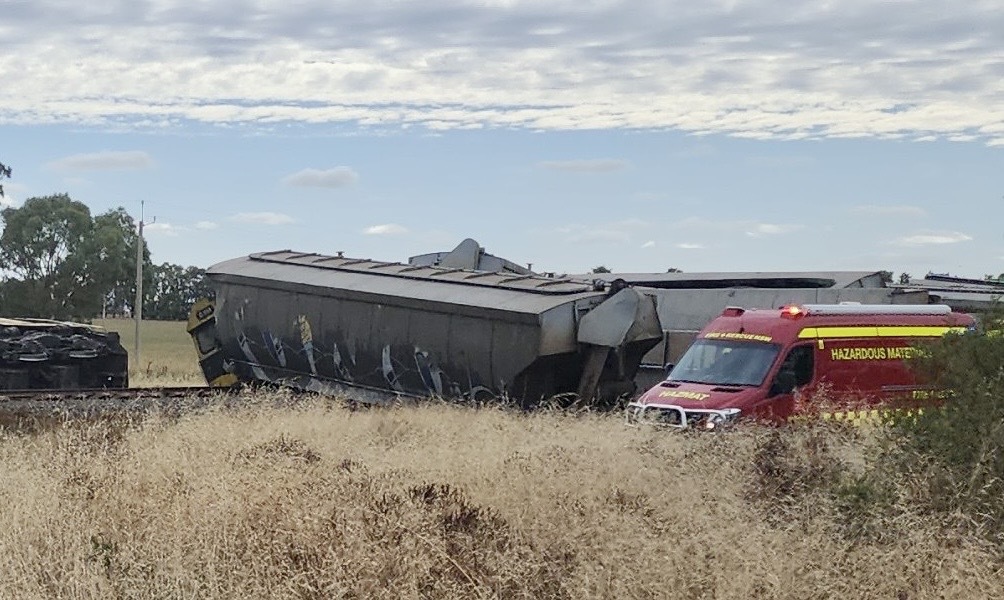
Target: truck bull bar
x,y
677,417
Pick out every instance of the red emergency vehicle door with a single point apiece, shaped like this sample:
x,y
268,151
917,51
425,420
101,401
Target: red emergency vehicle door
x,y
792,380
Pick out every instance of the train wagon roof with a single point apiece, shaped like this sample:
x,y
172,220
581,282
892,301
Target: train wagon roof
x,y
531,294
961,293
754,279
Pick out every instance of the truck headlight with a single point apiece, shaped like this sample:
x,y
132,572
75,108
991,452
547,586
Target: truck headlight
x,y
719,419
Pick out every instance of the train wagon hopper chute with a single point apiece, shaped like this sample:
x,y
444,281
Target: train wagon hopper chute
x,y
617,334
42,354
309,320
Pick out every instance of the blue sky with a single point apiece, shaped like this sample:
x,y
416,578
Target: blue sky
x,y
642,135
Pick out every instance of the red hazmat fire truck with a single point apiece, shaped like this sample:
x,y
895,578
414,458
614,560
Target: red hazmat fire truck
x,y
774,364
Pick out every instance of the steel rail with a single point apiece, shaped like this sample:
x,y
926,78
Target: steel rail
x,y
48,395
18,407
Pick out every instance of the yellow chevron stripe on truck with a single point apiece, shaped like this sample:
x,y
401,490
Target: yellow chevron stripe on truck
x,y
876,416
877,332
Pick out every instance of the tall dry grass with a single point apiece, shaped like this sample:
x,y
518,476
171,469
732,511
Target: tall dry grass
x,y
318,501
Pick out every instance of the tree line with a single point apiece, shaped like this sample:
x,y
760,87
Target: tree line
x,y
58,261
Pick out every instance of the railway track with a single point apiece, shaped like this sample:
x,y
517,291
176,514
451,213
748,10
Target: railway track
x,y
29,408
21,409
106,393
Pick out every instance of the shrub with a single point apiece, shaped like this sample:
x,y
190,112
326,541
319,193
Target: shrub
x,y
959,445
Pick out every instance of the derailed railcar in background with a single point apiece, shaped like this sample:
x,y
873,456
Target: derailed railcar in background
x,y
308,320
42,354
686,302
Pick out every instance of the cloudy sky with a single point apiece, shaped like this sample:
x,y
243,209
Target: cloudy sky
x,y
641,135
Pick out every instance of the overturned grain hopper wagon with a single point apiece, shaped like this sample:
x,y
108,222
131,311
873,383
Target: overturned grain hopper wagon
x,y
309,320
41,354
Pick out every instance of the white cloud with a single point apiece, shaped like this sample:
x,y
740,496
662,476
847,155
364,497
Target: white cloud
x,y
335,177
13,194
929,238
649,244
689,246
755,69
598,165
385,229
878,210
263,218
766,229
160,229
103,161
206,225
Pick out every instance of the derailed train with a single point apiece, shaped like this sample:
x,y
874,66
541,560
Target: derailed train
x,y
42,354
313,322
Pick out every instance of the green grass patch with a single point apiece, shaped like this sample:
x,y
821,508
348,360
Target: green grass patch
x,y
166,355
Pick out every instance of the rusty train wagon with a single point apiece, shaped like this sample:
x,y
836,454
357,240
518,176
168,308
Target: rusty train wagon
x,y
306,319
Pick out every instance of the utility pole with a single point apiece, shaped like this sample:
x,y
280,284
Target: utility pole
x,y
138,305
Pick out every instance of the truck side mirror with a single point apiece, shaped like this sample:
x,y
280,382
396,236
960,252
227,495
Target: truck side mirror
x,y
784,383
667,369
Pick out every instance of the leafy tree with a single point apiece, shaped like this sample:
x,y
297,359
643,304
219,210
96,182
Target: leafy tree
x,y
904,278
674,270
4,174
37,241
114,245
600,269
886,276
174,290
198,286
39,236
63,262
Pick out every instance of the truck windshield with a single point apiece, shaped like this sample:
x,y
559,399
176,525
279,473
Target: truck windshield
x,y
725,362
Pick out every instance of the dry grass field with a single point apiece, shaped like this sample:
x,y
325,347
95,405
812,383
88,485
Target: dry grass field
x,y
292,498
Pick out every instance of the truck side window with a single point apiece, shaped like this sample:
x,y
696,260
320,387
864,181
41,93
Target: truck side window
x,y
799,361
